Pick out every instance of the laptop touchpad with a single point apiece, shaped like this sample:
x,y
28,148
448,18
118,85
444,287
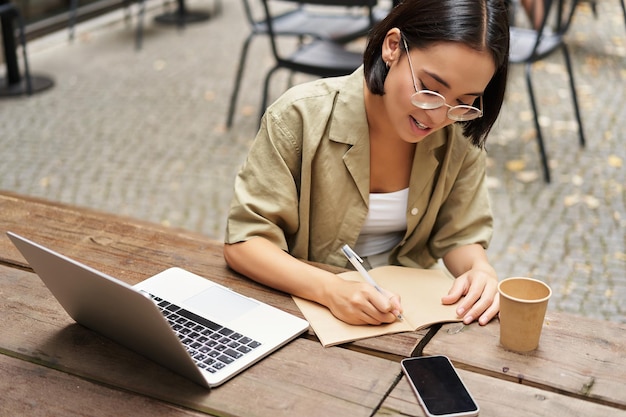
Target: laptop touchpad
x,y
221,303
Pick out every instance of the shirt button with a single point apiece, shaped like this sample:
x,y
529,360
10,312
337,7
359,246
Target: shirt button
x,y
414,211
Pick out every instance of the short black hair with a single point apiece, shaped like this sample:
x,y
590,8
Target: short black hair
x,y
480,24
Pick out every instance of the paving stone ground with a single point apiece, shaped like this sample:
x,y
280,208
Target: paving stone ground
x,y
142,134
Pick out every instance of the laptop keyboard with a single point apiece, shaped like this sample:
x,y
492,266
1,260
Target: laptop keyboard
x,y
212,347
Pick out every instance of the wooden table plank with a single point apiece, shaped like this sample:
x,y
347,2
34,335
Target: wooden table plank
x,y
577,356
302,378
497,398
133,250
34,390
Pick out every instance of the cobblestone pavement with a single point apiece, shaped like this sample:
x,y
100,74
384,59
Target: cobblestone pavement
x,y
142,134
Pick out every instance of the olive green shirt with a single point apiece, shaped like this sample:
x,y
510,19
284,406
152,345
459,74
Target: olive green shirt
x,y
305,183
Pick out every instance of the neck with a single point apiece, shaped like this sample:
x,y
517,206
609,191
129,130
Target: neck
x,y
391,157
377,117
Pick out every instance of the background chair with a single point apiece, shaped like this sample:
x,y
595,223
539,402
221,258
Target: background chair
x,y
529,46
126,4
323,56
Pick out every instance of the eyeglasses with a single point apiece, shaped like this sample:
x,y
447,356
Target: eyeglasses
x,y
430,100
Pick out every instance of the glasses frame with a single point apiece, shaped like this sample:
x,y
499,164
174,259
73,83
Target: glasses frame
x,y
462,118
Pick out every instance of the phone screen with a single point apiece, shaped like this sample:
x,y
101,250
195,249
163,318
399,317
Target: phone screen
x,y
438,386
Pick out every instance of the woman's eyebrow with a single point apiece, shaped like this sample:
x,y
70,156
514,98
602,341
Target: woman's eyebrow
x,y
445,84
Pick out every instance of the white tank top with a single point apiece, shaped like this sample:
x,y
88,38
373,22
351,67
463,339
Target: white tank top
x,y
385,223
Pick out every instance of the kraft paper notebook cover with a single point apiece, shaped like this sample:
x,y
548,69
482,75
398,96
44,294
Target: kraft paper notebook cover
x,y
420,289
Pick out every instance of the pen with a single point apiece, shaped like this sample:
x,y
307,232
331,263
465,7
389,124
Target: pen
x,y
357,262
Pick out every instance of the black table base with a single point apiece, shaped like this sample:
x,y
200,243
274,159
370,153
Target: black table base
x,y
178,18
182,16
14,84
38,83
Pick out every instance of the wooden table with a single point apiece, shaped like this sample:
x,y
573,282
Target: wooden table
x,y
52,366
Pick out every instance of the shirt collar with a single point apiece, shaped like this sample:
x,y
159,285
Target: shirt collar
x,y
349,122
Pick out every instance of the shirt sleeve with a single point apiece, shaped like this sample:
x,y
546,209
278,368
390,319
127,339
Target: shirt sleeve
x,y
265,201
465,216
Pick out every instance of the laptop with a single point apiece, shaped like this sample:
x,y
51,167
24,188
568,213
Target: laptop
x,y
189,324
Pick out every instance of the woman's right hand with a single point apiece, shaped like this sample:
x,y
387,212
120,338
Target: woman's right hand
x,y
360,303
350,301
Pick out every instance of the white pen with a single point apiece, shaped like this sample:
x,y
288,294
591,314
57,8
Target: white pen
x,y
357,262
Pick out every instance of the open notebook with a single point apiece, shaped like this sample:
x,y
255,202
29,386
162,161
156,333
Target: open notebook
x,y
420,289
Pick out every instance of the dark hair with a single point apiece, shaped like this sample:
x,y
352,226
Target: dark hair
x,y
481,24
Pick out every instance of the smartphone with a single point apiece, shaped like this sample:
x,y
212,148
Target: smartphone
x,y
438,387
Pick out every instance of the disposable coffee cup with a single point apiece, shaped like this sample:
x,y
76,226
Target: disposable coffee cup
x,y
523,305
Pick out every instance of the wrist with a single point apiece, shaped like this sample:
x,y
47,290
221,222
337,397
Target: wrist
x,y
325,286
484,267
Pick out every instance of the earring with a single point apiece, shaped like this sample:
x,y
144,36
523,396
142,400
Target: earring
x,y
387,64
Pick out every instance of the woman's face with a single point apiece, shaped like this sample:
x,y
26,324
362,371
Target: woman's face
x,y
457,72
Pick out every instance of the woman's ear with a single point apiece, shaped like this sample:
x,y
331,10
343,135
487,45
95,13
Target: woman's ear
x,y
392,47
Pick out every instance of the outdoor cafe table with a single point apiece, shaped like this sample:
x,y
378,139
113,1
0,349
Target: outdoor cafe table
x,y
52,366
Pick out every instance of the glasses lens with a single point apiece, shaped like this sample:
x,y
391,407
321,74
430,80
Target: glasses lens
x,y
462,113
427,100
430,100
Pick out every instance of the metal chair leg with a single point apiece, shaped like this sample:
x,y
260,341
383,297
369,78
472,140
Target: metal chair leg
x,y
242,63
542,150
140,17
574,95
72,19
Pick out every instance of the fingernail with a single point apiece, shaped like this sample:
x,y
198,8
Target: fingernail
x,y
468,319
460,311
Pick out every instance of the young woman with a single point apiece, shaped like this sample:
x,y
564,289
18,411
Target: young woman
x,y
389,160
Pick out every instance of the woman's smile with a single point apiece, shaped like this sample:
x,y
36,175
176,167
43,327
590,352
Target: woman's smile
x,y
421,126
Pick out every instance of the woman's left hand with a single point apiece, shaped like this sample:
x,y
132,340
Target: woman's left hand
x,y
481,301
479,284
